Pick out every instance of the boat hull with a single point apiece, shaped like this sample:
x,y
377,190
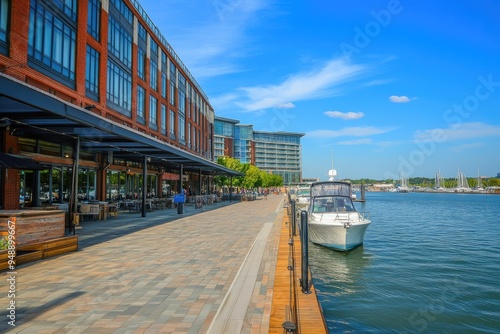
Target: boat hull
x,y
336,236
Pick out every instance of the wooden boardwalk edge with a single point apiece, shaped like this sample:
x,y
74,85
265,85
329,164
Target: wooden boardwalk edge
x,y
310,317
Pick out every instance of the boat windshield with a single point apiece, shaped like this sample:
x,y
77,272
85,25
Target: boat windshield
x,y
303,192
331,188
332,204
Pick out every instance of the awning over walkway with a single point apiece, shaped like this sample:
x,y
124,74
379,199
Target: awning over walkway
x,y
16,162
30,112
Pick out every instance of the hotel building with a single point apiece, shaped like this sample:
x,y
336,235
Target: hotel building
x,y
96,105
273,152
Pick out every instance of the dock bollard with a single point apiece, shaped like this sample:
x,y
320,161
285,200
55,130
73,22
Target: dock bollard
x,y
304,281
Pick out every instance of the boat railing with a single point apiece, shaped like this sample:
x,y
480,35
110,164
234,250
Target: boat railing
x,y
346,216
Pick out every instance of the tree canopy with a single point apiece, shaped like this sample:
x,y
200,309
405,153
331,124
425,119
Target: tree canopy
x,y
253,178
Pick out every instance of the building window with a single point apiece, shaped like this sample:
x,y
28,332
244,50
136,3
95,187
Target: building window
x,y
194,138
173,79
119,42
119,89
94,19
153,65
124,11
163,119
164,85
4,25
141,62
92,74
172,93
164,70
172,124
153,116
182,128
141,102
52,41
182,102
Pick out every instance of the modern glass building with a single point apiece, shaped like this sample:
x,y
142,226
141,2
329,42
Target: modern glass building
x,y
273,152
224,137
279,153
93,92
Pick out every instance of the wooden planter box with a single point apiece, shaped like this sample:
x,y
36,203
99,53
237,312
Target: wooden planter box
x,y
41,250
38,234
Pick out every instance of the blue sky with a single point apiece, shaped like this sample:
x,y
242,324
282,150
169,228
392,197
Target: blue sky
x,y
383,87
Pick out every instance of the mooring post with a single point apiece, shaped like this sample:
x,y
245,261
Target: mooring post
x,y
304,281
294,218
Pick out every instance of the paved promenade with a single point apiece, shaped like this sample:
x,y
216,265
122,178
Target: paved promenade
x,y
204,271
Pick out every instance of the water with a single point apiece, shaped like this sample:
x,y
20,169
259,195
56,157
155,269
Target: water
x,y
430,264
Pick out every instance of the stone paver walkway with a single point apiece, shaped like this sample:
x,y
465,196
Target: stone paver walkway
x,y
209,270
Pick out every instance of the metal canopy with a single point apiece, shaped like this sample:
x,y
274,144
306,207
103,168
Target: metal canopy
x,y
30,112
17,162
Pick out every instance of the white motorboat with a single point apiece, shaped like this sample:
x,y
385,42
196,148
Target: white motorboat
x,y
303,194
333,220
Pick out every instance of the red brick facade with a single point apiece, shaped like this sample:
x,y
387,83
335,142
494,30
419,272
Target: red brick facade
x,y
16,65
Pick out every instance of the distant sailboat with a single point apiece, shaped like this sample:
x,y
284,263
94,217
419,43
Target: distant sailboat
x,y
462,183
403,187
479,185
439,182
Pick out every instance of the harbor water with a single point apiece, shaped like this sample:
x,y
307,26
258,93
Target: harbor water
x,y
430,263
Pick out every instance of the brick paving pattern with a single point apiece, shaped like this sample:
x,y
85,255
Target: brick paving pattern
x,y
163,273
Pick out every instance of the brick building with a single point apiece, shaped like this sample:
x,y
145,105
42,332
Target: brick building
x,y
94,87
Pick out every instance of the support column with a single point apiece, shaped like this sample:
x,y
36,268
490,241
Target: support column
x,y
230,188
144,184
181,172
74,183
200,184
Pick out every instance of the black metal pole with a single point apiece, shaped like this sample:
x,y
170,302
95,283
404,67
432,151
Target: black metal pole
x,y
304,281
144,184
294,218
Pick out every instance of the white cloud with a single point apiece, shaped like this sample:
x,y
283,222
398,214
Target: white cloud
x,y
400,99
351,131
465,147
458,132
317,83
217,36
286,105
344,115
361,141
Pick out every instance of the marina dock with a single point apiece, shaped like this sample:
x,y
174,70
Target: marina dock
x,y
216,269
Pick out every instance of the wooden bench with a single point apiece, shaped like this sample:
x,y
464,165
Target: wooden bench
x,y
91,210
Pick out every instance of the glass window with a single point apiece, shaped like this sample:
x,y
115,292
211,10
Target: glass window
x,y
153,105
94,19
120,42
119,89
141,102
173,79
141,63
4,24
142,33
52,41
163,119
124,11
182,128
164,84
182,102
172,124
92,73
153,74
